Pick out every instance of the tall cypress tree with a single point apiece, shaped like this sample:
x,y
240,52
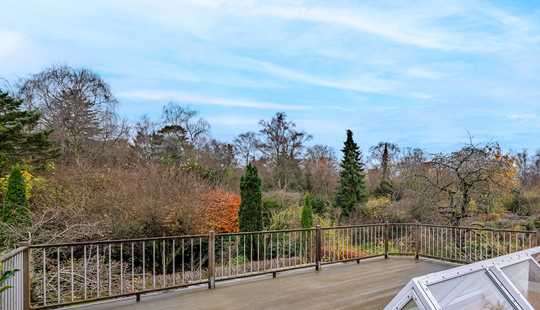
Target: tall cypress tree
x,y
250,213
307,212
352,187
15,206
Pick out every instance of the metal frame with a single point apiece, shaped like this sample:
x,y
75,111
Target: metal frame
x,y
419,286
214,257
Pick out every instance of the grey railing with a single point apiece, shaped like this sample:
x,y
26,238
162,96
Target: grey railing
x,y
16,297
53,275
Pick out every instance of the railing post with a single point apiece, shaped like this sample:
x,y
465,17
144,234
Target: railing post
x,y
537,236
318,247
211,259
417,240
26,279
386,235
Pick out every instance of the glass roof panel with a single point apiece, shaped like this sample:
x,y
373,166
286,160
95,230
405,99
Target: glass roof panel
x,y
411,305
469,291
526,277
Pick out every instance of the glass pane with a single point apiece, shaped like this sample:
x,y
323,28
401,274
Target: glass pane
x,y
526,278
411,305
470,291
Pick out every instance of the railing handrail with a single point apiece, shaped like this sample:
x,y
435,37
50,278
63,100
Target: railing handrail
x,y
12,253
472,228
116,241
212,257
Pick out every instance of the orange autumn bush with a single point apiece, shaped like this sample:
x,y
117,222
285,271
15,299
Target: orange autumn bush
x,y
219,211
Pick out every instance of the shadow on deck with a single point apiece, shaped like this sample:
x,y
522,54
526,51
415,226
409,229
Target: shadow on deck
x,y
368,285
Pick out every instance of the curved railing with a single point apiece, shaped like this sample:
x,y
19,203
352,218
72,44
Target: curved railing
x,y
71,273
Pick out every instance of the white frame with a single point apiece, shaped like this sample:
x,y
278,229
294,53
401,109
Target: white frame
x,y
418,287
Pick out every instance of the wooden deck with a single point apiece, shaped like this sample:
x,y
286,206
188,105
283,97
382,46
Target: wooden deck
x,y
368,285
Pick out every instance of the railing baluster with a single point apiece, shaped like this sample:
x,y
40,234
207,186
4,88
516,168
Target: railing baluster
x,y
133,266
144,265
110,272
173,251
164,271
121,268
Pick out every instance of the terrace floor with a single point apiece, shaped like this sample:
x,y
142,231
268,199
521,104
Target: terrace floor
x,y
368,285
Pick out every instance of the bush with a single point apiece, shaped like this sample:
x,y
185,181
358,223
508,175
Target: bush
x,y
319,205
307,212
15,205
89,203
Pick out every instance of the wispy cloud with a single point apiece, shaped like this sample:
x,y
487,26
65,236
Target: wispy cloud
x,y
160,95
365,83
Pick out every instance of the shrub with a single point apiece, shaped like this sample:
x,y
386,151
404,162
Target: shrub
x,y
307,212
15,206
250,213
319,205
219,211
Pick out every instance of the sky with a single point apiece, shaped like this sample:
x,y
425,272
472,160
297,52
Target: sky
x,y
417,73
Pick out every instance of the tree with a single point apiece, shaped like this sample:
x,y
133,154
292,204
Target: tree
x,y
20,141
307,212
320,170
15,206
385,153
282,145
190,130
470,176
246,146
79,108
352,188
250,213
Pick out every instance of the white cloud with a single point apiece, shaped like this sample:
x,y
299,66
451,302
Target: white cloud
x,y
159,95
423,73
523,117
11,42
364,83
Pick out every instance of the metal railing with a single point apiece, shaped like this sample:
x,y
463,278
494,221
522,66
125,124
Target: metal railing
x,y
15,297
53,275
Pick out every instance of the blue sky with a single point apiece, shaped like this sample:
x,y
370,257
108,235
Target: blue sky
x,y
418,73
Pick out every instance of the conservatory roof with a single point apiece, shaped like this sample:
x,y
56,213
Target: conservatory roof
x,y
506,282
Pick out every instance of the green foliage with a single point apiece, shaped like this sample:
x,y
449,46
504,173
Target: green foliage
x,y
518,204
15,205
385,189
319,205
270,206
284,219
20,142
307,212
250,213
4,277
352,187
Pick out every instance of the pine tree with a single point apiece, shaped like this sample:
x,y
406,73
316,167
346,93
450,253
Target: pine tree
x,y
15,206
307,212
250,213
352,188
20,142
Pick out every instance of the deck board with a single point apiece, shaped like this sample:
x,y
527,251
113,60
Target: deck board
x,y
368,285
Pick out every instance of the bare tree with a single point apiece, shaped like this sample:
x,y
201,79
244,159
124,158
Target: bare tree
x,y
194,127
282,144
471,174
246,146
320,166
78,106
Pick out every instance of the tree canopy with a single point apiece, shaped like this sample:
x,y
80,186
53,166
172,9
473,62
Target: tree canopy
x,y
20,140
352,187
